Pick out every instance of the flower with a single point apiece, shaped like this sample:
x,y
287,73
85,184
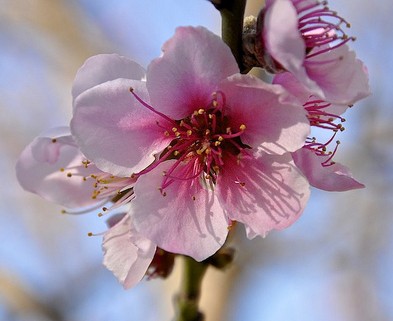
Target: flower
x,y
53,167
306,39
207,145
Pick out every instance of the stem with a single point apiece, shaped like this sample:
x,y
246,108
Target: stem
x,y
232,15
188,298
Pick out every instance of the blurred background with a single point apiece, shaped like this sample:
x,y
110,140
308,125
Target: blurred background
x,y
334,264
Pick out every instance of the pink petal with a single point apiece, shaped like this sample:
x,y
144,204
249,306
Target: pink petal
x,y
272,125
329,178
342,77
183,79
127,254
102,68
301,94
264,193
281,36
114,130
176,222
38,170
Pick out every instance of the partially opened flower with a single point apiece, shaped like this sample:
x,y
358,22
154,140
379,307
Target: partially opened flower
x,y
53,167
315,159
307,39
207,146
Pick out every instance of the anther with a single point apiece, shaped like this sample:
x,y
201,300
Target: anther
x,y
69,174
242,127
201,111
54,140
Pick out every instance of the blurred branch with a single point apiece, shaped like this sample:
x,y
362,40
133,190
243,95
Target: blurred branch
x,y
20,302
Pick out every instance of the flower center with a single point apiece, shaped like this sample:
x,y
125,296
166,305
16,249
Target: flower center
x,y
320,26
200,143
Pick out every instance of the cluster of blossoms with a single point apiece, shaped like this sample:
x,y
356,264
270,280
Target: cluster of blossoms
x,y
191,146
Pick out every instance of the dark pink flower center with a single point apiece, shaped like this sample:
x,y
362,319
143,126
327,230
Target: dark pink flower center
x,y
320,26
200,142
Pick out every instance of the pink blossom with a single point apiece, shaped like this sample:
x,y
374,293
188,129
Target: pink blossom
x,y
52,167
307,39
207,145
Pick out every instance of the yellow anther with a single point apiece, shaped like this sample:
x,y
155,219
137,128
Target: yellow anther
x,y
189,132
100,215
63,211
166,133
208,151
207,132
215,103
220,138
62,169
201,111
217,143
90,234
176,152
174,129
242,127
228,130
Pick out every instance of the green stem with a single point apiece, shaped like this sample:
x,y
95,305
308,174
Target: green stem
x,y
232,15
188,298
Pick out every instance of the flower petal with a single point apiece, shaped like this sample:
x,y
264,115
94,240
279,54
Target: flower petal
x,y
335,177
302,95
127,254
342,77
187,220
281,35
114,130
194,60
38,169
264,193
271,124
102,68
